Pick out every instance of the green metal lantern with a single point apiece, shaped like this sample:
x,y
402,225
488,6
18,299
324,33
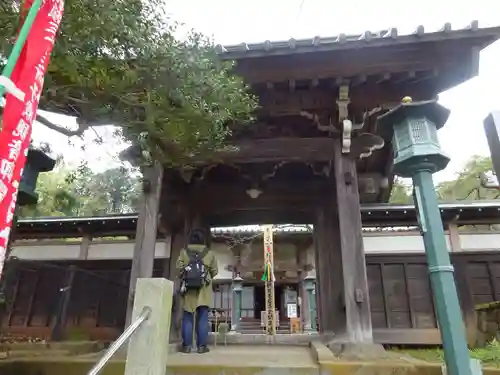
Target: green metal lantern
x,y
417,154
414,127
36,162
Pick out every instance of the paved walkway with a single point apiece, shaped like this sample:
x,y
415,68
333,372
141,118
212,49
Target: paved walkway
x,y
255,355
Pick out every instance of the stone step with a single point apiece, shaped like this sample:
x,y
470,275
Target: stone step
x,y
261,329
245,358
247,324
255,321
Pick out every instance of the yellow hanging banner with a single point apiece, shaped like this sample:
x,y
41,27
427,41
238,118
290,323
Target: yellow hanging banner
x,y
268,278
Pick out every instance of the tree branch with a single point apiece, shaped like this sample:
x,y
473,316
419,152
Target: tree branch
x,y
67,132
82,126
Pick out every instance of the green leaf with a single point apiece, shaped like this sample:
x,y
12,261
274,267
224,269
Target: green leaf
x,y
120,63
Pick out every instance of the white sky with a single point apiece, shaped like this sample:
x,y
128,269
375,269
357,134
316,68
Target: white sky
x,y
236,21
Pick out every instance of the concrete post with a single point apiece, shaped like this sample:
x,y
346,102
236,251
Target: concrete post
x,y
236,310
148,347
309,284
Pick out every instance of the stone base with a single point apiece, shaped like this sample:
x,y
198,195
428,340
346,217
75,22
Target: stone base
x,y
365,352
237,360
357,351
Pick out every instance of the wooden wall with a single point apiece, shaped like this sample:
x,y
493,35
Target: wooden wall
x,y
98,296
401,302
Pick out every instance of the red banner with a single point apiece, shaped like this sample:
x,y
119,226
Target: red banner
x,y
18,115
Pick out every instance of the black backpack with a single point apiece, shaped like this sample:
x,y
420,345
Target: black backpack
x,y
195,273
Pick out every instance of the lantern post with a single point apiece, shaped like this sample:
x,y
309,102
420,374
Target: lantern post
x,y
417,154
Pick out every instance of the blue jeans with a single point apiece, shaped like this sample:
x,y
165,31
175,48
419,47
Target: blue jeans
x,y
188,324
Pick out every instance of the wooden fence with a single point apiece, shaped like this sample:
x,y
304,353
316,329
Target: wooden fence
x,y
401,301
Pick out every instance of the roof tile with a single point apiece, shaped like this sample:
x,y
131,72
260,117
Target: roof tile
x,y
367,37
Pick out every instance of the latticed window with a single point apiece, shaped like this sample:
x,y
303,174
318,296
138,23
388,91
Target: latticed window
x,y
419,131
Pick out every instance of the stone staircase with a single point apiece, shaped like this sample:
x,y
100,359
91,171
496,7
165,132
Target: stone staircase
x,y
252,326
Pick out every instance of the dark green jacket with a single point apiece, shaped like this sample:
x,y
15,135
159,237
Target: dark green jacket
x,y
203,297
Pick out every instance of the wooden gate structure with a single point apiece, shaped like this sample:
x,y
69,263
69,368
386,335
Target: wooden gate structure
x,y
312,156
314,153
95,289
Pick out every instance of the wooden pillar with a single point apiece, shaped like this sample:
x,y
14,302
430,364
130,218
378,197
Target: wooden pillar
x,y
178,243
147,226
356,296
329,279
167,261
467,303
301,248
83,254
454,237
64,300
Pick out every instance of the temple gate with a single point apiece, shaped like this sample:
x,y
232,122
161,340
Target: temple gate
x,y
312,156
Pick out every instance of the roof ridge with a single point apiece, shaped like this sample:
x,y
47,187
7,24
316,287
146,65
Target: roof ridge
x,y
387,34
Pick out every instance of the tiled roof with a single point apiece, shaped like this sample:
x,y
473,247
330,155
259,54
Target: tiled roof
x,y
295,229
367,38
380,217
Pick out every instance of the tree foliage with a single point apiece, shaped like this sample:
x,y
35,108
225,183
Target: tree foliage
x,y
63,192
466,186
401,193
119,62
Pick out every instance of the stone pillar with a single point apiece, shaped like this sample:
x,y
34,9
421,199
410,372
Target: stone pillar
x,y
237,289
147,352
310,304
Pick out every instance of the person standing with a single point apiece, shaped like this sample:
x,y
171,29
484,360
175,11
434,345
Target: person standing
x,y
197,267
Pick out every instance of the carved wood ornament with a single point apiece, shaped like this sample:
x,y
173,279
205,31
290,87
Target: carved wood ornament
x,y
258,176
360,146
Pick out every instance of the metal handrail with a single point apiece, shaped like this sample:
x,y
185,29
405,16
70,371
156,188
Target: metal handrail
x,y
124,337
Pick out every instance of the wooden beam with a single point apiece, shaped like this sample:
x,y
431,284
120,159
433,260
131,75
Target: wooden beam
x,y
274,194
406,76
357,300
282,103
257,217
146,233
278,103
383,78
279,149
348,64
